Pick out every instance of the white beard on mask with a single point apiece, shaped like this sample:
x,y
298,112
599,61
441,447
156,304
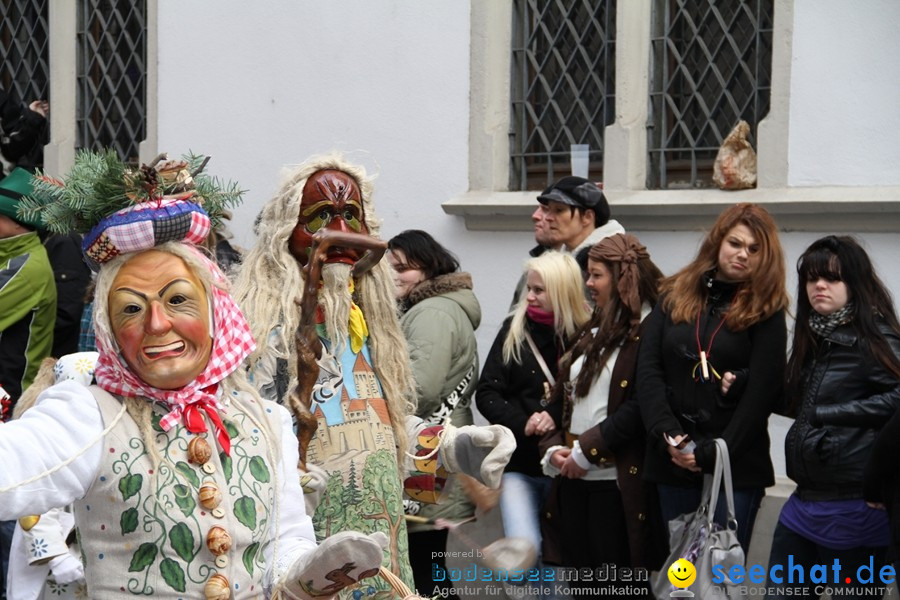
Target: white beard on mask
x,y
335,301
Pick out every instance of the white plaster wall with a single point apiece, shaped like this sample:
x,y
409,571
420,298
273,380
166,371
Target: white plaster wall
x,y
844,92
265,85
386,81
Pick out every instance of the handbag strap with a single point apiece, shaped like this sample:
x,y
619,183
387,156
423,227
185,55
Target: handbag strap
x,y
713,483
537,354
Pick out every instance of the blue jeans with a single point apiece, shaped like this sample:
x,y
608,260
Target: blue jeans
x,y
676,501
521,499
790,548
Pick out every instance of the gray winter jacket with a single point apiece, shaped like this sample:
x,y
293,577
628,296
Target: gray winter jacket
x,y
439,324
440,329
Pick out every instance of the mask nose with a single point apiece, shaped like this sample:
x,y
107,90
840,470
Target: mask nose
x,y
158,322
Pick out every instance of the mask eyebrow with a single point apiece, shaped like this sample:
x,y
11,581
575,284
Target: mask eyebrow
x,y
144,296
140,295
171,283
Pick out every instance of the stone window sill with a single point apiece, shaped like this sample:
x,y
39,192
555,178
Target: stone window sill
x,y
837,209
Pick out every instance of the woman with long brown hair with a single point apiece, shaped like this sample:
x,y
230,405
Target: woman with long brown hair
x,y
720,320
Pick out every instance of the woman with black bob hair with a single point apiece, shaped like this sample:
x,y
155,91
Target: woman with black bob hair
x,y
439,316
843,384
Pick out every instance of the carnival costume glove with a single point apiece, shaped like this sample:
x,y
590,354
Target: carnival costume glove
x,y
480,452
313,482
340,560
66,569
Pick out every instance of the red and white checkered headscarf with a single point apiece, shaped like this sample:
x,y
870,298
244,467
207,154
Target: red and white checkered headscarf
x,y
232,343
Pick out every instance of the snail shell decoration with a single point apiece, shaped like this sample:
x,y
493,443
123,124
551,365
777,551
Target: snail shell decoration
x,y
218,540
199,451
217,588
210,496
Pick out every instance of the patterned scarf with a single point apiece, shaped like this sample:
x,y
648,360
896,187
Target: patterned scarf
x,y
232,343
823,325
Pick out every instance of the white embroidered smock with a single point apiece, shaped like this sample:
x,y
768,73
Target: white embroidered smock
x,y
67,418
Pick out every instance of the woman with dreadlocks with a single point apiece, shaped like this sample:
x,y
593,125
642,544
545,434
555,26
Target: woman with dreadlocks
x,y
606,510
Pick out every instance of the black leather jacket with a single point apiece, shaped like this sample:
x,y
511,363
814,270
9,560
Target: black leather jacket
x,y
847,397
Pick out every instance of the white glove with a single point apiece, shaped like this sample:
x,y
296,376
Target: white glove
x,y
340,560
66,569
479,452
313,481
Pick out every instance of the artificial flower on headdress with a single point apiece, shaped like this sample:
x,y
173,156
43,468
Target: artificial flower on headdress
x,y
122,209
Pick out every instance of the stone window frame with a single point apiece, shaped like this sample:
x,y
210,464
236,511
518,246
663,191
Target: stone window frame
x,y
489,206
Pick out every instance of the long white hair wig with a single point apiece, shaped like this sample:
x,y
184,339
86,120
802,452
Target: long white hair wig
x,y
270,279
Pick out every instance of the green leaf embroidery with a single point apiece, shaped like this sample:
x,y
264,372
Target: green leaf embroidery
x,y
259,470
184,498
232,429
154,422
129,520
173,574
130,485
250,556
143,557
245,511
186,470
226,465
182,541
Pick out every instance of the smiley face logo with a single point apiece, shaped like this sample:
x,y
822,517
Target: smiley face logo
x,y
682,573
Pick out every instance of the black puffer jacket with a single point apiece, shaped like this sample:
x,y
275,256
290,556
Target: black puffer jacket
x,y
847,397
508,393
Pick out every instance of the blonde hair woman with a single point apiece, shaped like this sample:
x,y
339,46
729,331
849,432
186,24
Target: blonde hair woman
x,y
519,370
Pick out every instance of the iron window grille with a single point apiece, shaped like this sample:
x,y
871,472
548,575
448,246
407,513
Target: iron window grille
x,y
711,66
563,86
24,36
112,76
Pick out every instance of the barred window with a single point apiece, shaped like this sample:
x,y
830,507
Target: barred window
x,y
24,34
711,66
563,59
112,76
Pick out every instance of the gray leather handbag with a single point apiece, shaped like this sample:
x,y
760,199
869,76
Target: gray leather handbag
x,y
703,542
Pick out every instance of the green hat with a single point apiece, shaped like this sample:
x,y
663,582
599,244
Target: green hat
x,y
13,188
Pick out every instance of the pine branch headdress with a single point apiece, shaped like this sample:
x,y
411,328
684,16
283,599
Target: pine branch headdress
x,y
126,209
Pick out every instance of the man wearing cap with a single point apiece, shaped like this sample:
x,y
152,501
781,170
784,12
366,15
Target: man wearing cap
x,y
572,216
27,292
577,216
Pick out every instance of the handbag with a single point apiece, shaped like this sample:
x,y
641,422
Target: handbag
x,y
551,381
697,538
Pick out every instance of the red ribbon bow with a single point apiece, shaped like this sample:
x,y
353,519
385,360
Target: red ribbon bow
x,y
193,419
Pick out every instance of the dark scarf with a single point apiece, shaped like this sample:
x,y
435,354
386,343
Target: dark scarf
x,y
823,325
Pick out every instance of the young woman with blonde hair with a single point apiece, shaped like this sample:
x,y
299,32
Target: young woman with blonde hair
x,y
720,320
517,376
